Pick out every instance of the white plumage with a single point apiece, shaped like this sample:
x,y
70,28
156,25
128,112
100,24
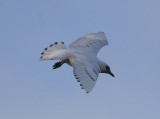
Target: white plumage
x,y
81,55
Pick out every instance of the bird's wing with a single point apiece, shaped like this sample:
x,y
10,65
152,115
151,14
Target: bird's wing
x,y
55,51
90,44
86,72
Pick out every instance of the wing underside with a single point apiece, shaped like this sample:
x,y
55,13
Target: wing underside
x,y
85,71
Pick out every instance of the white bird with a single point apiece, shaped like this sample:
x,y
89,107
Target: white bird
x,y
81,55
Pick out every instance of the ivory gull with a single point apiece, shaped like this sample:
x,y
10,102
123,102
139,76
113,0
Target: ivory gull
x,y
81,55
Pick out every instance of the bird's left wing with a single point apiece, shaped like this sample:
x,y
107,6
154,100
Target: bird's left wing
x,y
85,71
90,44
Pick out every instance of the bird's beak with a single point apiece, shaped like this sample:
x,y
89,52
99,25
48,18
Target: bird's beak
x,y
111,74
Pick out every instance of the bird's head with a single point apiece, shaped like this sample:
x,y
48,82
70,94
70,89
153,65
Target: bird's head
x,y
108,71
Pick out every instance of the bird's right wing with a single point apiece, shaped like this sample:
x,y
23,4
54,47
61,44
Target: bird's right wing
x,y
90,44
85,71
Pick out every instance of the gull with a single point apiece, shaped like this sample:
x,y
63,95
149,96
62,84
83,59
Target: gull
x,y
82,56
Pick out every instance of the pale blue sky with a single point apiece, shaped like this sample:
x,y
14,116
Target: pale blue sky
x,y
30,89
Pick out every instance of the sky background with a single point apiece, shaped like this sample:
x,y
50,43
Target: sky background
x,y
30,89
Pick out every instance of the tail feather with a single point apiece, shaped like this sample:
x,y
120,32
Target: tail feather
x,y
55,51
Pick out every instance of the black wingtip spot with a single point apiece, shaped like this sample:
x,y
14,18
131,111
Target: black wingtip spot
x,y
80,84
51,45
56,43
41,57
42,53
78,80
87,92
62,42
45,49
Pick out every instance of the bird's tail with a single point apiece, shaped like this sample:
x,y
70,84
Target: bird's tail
x,y
55,51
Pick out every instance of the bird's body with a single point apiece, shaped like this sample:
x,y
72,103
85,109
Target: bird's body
x,y
81,55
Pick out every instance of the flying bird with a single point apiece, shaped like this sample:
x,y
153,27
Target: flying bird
x,y
82,56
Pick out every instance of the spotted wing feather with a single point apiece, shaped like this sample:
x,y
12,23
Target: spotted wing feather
x,y
85,71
